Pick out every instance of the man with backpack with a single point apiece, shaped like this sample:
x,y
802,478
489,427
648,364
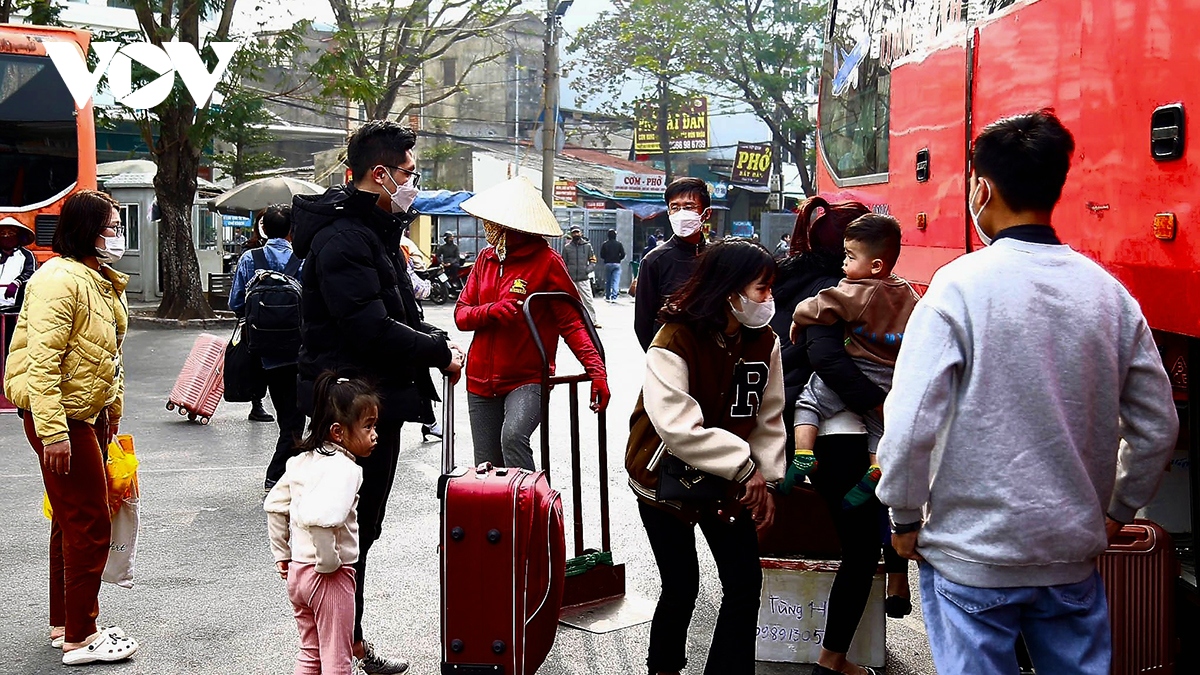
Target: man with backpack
x,y
266,293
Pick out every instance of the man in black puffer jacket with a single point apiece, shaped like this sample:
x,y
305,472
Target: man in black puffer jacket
x,y
360,318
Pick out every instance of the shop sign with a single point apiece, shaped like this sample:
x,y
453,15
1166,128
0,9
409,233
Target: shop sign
x,y
640,183
595,204
565,191
752,164
687,126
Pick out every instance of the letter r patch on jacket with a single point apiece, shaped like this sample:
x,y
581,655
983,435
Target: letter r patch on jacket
x,y
749,383
520,286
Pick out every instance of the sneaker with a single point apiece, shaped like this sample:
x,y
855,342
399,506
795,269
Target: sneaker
x,y
356,667
373,663
427,430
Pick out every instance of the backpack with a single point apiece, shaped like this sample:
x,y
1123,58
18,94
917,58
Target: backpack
x,y
273,308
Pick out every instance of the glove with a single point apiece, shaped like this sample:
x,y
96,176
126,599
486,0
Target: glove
x,y
10,291
600,394
802,465
504,310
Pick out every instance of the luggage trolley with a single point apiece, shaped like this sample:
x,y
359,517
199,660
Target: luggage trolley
x,y
593,578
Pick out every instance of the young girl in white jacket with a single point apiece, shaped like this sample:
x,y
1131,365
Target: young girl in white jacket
x,y
313,523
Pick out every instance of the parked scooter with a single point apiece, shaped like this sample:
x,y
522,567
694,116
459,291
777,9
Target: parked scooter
x,y
439,291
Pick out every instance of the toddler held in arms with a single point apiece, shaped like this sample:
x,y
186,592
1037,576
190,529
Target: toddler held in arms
x,y
875,305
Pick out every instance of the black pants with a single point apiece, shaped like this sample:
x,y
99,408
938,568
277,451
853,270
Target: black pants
x,y
841,462
282,382
379,472
735,549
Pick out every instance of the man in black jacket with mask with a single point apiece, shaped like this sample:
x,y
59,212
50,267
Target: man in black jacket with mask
x,y
360,318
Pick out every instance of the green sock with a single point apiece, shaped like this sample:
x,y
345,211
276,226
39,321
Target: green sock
x,y
802,465
859,494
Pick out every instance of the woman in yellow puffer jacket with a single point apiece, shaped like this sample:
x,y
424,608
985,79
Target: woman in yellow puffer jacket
x,y
64,374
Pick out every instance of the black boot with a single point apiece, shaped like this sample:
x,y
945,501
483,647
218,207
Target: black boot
x,y
258,413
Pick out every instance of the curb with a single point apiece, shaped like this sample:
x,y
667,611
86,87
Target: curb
x,y
155,323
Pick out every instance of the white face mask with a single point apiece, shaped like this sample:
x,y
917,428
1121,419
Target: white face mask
x,y
113,249
685,223
404,196
987,241
753,314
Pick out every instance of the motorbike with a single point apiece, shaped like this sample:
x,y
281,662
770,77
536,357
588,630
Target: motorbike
x,y
444,286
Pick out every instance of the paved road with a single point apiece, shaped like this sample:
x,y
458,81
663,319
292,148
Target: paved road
x,y
207,600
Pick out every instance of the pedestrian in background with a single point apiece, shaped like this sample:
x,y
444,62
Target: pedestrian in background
x,y
361,319
275,225
1030,417
612,252
665,269
580,258
785,242
17,264
256,240
814,264
312,522
713,397
65,377
504,368
450,259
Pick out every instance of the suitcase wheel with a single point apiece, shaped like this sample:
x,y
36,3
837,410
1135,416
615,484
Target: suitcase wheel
x,y
191,417
204,420
170,406
182,412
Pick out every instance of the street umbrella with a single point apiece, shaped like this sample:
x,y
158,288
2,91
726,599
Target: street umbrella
x,y
143,166
257,195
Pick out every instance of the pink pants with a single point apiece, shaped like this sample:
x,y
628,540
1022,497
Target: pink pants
x,y
324,605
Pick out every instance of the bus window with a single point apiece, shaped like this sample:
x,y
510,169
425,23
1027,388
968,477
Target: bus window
x,y
855,88
39,145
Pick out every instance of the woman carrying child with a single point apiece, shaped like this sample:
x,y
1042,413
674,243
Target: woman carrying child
x,y
713,398
313,522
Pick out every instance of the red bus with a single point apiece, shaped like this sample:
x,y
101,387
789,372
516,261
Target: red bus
x,y
905,86
47,147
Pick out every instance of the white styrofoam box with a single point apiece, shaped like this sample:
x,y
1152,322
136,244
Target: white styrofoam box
x,y
791,616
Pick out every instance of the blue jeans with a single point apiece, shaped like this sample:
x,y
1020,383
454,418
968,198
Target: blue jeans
x,y
612,280
974,630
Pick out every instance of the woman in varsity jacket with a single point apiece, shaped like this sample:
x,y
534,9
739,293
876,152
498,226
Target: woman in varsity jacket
x,y
713,398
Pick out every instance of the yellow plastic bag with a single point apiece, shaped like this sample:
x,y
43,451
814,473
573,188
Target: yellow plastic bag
x,y
122,472
122,475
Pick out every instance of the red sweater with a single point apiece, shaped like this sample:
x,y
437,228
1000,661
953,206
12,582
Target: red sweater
x,y
503,355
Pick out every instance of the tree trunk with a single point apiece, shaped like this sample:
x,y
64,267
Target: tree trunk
x,y
664,137
175,188
799,150
5,10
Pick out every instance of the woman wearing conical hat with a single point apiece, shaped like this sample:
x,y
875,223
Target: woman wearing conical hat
x,y
503,365
16,266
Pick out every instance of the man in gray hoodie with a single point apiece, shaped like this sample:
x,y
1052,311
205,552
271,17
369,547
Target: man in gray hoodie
x,y
1030,416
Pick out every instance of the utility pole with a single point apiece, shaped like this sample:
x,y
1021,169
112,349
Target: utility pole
x,y
517,108
555,9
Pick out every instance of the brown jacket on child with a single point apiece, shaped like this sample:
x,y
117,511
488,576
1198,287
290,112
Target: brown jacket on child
x,y
875,312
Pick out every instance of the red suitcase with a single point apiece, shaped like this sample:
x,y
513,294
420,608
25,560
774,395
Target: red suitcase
x,y
1140,571
503,557
198,388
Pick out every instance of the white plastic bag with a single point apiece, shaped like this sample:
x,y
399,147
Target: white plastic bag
x,y
121,552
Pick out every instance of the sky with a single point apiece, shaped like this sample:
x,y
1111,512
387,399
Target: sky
x,y
725,129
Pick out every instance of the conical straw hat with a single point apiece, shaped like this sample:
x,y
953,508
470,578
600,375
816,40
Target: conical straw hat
x,y
517,205
25,234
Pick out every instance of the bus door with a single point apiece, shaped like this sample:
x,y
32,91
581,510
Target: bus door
x,y
928,46
1139,159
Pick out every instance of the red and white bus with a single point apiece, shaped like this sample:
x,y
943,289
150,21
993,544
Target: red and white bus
x,y
906,84
47,147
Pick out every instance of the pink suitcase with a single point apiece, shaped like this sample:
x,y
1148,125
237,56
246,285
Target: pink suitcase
x,y
199,387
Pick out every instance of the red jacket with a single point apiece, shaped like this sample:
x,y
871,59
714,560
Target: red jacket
x,y
503,355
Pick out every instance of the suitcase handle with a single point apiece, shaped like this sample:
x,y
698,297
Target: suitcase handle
x,y
1134,538
447,426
